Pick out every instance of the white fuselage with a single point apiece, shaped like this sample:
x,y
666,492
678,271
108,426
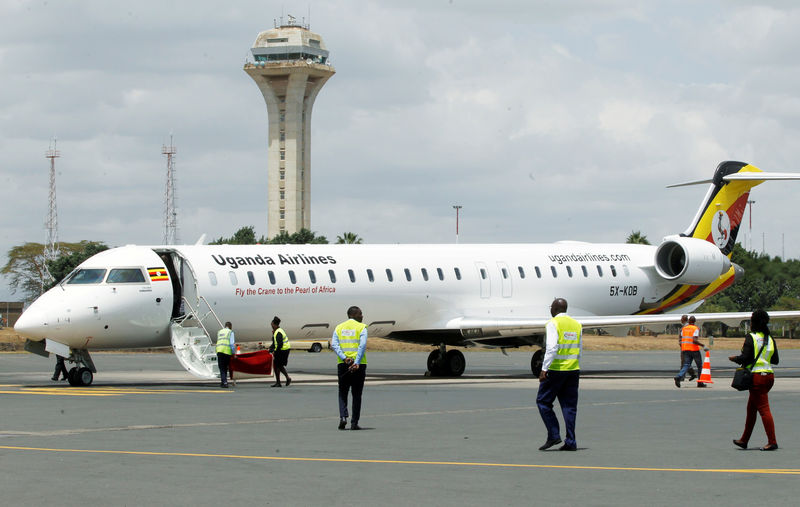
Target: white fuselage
x,y
310,288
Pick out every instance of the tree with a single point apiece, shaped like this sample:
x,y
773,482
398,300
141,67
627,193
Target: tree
x,y
637,238
301,237
26,270
244,236
63,265
349,238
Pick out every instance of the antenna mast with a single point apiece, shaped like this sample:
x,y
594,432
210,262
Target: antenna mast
x,y
51,248
170,210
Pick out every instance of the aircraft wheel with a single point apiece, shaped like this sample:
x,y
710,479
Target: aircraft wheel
x,y
72,376
435,363
316,347
455,363
536,362
84,376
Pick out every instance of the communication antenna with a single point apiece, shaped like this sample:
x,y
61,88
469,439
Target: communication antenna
x,y
170,210
51,247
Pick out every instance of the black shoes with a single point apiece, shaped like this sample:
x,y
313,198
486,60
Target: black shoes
x,y
700,384
677,382
692,376
288,381
342,423
54,379
224,386
739,443
550,443
355,427
276,384
771,447
566,447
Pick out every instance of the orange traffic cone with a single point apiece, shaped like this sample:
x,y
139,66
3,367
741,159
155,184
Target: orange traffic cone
x,y
705,375
239,350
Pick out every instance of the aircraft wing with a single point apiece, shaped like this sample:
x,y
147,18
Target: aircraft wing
x,y
486,328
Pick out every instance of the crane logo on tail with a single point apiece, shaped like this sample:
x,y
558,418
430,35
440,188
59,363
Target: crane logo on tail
x,y
721,228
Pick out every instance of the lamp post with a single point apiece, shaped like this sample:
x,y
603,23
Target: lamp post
x,y
457,208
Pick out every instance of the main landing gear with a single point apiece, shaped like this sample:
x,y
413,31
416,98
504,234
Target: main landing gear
x,y
446,363
536,362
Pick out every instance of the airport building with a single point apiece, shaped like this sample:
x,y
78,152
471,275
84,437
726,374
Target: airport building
x,y
290,66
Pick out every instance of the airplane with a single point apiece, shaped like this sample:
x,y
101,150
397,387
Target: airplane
x,y
490,295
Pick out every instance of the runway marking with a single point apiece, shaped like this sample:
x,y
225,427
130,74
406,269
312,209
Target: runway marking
x,y
98,391
768,471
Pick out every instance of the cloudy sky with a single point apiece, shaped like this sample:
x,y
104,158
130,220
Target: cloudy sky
x,y
545,120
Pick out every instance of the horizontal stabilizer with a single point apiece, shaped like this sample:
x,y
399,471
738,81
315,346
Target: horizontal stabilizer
x,y
743,176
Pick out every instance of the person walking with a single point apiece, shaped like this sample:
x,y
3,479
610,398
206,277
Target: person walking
x,y
280,352
225,346
760,351
560,376
684,322
61,369
690,348
349,342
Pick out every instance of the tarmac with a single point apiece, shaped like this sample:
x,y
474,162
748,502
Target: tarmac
x,y
148,433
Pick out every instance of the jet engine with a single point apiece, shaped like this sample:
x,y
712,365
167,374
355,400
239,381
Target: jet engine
x,y
690,261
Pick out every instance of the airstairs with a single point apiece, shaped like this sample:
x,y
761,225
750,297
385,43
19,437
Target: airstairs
x,y
191,339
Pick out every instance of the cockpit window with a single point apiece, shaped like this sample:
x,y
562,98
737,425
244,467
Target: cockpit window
x,y
86,276
125,275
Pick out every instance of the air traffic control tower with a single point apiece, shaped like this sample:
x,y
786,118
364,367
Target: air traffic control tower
x,y
290,66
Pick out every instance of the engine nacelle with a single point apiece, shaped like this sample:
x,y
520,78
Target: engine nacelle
x,y
690,261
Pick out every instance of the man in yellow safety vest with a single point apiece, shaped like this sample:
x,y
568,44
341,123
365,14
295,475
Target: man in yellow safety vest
x,y
560,375
225,347
349,341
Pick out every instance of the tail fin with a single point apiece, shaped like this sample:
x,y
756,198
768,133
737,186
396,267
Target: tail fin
x,y
719,218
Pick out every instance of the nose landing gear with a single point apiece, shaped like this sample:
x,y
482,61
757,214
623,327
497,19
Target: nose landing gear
x,y
83,374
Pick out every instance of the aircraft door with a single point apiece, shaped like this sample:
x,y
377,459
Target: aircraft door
x,y
483,276
505,279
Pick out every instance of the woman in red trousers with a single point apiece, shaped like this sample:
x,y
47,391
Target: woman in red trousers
x,y
763,378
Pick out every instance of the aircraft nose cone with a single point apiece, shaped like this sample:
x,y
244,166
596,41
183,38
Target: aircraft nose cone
x,y
31,324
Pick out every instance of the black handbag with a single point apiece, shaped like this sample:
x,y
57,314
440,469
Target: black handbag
x,y
743,378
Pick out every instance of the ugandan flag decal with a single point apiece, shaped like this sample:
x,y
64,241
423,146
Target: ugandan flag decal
x,y
158,274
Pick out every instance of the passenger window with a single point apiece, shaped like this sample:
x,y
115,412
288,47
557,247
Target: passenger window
x,y
87,276
458,273
440,273
292,277
251,278
521,272
271,277
483,273
599,271
312,276
613,270
370,276
504,272
232,276
352,275
424,274
212,277
553,270
389,275
134,275
569,271
408,274
538,272
332,275
585,272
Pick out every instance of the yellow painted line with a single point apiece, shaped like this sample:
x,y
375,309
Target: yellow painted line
x,y
771,471
98,391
